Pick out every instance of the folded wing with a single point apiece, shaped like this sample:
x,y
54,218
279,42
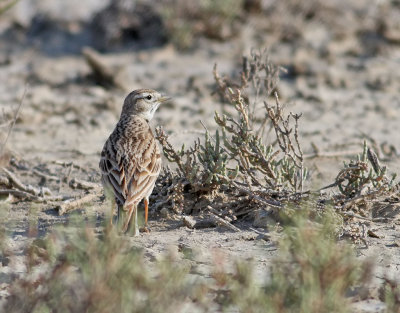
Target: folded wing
x,y
130,165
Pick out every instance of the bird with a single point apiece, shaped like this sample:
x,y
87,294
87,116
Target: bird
x,y
130,161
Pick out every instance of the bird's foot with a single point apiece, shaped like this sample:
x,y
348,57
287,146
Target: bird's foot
x,y
145,229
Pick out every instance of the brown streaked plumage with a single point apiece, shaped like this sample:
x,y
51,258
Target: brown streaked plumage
x,y
130,161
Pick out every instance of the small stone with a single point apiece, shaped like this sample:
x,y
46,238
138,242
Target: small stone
x,y
189,221
164,212
261,219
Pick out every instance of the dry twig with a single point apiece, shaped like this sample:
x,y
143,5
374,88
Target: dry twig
x,y
225,223
25,188
2,147
102,71
83,184
69,205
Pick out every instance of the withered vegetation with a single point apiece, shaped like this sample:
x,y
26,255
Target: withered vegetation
x,y
254,159
240,162
252,162
363,182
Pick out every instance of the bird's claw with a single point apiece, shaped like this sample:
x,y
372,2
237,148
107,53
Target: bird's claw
x,y
144,229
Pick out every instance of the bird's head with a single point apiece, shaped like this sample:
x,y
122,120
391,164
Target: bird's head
x,y
143,102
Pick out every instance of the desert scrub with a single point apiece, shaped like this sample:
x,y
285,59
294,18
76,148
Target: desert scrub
x,y
364,172
203,166
363,184
240,158
75,270
391,295
185,21
311,273
278,169
255,151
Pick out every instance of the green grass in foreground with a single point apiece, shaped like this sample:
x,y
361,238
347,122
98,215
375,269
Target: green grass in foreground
x,y
80,271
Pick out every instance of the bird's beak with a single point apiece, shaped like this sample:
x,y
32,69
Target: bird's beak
x,y
164,98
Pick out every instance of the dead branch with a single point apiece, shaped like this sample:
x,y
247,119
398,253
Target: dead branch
x,y
69,164
274,204
14,180
4,181
83,184
331,154
45,176
225,223
352,214
212,220
372,196
23,195
198,223
189,222
102,71
70,205
26,188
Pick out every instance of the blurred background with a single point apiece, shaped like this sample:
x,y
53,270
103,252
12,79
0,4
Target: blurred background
x,y
80,58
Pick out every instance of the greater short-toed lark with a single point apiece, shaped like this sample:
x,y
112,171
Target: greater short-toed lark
x,y
130,161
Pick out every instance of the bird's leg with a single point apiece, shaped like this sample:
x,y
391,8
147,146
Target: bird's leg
x,y
146,215
136,229
146,211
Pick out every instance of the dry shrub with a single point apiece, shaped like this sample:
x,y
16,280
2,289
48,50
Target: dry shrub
x,y
254,162
240,158
364,183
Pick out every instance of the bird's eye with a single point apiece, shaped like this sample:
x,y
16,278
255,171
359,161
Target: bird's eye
x,y
149,97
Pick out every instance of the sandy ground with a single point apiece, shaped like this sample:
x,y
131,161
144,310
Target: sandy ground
x,y
346,87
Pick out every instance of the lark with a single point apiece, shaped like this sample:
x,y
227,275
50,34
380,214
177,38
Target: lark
x,y
130,161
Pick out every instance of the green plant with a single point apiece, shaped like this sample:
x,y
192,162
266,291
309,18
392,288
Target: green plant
x,y
365,172
74,269
84,272
204,166
239,153
391,290
311,273
279,168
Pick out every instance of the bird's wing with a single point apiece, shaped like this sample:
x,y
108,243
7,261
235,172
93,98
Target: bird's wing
x,y
130,164
143,172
